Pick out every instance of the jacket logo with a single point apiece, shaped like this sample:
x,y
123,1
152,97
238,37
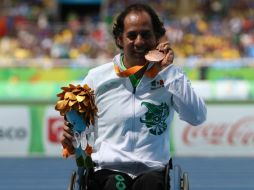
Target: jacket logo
x,y
157,84
155,117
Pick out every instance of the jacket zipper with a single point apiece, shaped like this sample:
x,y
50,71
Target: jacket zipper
x,y
133,120
134,90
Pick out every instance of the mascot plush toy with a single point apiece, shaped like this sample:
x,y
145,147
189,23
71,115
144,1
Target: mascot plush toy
x,y
76,104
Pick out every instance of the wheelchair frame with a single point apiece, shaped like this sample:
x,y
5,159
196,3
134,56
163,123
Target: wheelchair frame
x,y
175,178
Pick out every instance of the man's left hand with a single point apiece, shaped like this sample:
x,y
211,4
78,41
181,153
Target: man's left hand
x,y
165,48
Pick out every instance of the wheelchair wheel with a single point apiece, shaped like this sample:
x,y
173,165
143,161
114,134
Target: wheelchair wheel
x,y
185,181
72,181
177,178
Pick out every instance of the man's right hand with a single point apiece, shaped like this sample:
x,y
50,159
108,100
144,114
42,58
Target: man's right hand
x,y
67,137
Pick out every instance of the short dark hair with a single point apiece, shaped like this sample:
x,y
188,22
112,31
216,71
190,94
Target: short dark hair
x,y
118,26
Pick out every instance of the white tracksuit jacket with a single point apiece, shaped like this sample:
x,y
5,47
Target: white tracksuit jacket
x,y
132,128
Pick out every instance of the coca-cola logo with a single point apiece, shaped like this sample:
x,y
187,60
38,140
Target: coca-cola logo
x,y
240,132
55,129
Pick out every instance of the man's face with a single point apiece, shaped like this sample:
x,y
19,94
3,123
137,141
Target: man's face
x,y
138,38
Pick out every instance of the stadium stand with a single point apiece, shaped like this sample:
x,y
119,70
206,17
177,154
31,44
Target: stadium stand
x,y
217,29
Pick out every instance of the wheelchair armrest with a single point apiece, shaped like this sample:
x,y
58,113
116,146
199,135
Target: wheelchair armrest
x,y
175,179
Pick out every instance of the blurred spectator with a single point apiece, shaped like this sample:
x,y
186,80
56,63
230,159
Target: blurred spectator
x,y
217,29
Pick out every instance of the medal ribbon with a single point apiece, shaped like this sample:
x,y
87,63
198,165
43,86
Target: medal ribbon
x,y
151,72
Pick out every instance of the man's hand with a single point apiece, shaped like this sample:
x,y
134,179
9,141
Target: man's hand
x,y
66,139
165,48
161,56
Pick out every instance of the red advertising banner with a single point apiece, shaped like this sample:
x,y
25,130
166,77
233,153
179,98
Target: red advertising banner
x,y
53,125
228,131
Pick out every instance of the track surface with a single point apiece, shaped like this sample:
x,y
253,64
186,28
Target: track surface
x,y
54,173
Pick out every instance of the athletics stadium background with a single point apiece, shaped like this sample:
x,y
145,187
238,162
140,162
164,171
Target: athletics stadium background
x,y
47,44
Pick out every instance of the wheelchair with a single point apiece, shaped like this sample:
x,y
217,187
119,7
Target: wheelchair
x,y
175,178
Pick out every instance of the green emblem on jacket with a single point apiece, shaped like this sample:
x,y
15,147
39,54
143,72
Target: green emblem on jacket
x,y
155,117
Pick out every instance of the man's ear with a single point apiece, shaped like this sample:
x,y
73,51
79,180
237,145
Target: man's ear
x,y
119,41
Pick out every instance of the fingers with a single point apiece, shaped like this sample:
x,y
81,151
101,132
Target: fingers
x,y
170,56
164,47
67,132
68,124
168,59
67,143
66,138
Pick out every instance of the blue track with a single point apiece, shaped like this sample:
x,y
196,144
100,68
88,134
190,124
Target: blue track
x,y
54,173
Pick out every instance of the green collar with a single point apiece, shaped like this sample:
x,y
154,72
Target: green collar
x,y
133,78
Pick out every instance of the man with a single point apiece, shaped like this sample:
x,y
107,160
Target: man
x,y
136,101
